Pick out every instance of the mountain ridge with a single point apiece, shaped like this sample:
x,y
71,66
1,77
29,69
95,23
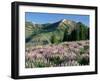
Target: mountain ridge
x,y
63,30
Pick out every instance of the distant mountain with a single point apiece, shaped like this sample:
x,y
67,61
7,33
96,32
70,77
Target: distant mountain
x,y
61,31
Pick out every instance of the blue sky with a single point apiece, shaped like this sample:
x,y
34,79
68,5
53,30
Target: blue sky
x,y
41,18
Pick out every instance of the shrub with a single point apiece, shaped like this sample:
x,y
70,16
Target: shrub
x,y
84,60
86,47
82,51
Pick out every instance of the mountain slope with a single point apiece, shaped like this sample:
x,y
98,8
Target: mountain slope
x,y
63,30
